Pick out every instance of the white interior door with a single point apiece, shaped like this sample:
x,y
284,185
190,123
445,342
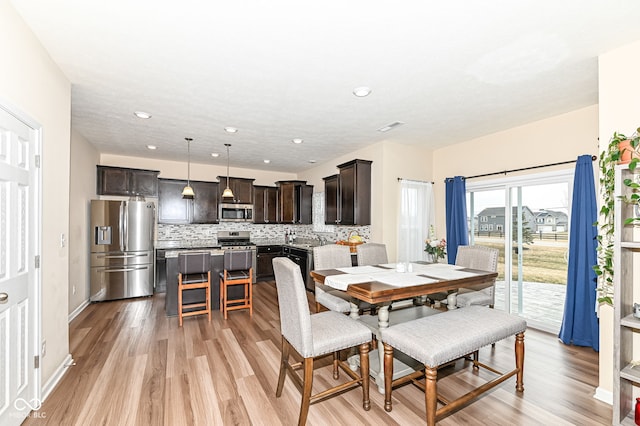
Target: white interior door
x,y
17,269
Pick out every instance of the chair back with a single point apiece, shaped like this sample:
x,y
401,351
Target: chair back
x,y
478,257
295,319
331,256
194,262
372,254
238,260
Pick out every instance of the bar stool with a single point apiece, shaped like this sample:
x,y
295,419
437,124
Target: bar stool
x,y
194,272
238,270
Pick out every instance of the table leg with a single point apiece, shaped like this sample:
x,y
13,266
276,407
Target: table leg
x,y
354,361
383,322
355,310
452,300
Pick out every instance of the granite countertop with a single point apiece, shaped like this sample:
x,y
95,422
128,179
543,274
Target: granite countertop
x,y
301,243
186,244
174,253
174,246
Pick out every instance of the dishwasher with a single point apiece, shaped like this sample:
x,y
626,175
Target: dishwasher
x,y
304,259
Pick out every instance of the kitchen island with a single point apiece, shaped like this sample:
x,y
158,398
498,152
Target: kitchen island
x,y
192,296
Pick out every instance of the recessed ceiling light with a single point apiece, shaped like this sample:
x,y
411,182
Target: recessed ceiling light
x,y
312,161
296,140
215,154
142,114
361,92
230,129
266,161
151,147
390,126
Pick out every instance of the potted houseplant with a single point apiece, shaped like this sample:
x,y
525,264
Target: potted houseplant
x,y
620,150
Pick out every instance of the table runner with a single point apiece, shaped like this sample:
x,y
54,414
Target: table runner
x,y
422,274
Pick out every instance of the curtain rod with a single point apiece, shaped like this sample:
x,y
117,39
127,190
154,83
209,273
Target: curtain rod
x,y
413,180
593,158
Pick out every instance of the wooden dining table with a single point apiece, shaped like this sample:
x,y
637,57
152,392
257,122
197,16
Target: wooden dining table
x,y
381,285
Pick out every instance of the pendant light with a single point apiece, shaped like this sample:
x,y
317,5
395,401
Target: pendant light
x,y
227,193
187,192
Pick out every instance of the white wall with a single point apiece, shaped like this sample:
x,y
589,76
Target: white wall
x,y
390,161
619,92
560,138
82,188
31,81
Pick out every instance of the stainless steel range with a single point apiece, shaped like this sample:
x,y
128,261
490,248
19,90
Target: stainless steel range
x,y
238,240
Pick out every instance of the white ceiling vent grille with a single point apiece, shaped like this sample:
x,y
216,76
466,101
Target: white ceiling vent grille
x,y
390,126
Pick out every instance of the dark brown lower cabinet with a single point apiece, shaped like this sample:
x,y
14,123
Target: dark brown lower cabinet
x,y
265,255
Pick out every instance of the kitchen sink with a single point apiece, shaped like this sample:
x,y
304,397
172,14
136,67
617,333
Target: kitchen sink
x,y
304,246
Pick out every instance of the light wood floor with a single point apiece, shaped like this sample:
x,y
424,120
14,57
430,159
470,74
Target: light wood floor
x,y
134,366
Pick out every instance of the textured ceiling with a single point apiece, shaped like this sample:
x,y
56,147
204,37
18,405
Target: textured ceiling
x,y
279,70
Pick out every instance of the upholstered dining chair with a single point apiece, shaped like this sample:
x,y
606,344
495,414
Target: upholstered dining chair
x,y
484,259
238,270
313,336
331,256
372,254
194,272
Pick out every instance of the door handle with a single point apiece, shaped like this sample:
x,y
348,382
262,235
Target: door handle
x,y
109,271
4,297
124,256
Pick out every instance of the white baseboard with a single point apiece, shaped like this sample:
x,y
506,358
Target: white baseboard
x,y
56,377
604,395
79,309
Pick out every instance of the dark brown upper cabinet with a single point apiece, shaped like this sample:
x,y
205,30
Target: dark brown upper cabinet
x,y
205,203
295,201
331,208
348,194
172,208
126,182
265,205
242,189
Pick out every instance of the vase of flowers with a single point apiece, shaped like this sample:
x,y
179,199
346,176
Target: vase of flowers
x,y
436,248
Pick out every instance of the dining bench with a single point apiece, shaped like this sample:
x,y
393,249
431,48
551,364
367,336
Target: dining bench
x,y
439,339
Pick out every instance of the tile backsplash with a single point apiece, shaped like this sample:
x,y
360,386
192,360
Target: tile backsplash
x,y
258,232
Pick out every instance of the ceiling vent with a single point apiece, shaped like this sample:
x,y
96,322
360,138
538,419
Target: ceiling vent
x,y
390,126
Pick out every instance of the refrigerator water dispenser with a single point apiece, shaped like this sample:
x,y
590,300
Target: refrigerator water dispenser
x,y
103,235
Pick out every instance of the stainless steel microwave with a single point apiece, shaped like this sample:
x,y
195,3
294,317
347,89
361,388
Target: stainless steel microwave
x,y
236,212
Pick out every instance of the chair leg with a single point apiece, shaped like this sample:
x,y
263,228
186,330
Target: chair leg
x,y
208,298
519,361
336,372
306,391
364,374
180,299
431,394
250,299
284,360
221,297
224,299
388,375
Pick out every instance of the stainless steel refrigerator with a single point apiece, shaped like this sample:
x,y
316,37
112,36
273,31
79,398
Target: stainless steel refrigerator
x,y
122,259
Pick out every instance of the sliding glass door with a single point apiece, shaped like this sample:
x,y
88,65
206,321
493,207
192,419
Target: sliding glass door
x,y
527,219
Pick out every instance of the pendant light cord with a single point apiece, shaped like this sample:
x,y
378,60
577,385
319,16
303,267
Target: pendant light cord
x,y
227,145
188,160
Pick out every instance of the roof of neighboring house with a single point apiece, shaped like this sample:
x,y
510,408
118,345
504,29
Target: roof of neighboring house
x,y
499,211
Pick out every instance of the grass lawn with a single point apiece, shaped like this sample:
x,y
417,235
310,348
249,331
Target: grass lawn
x,y
540,263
